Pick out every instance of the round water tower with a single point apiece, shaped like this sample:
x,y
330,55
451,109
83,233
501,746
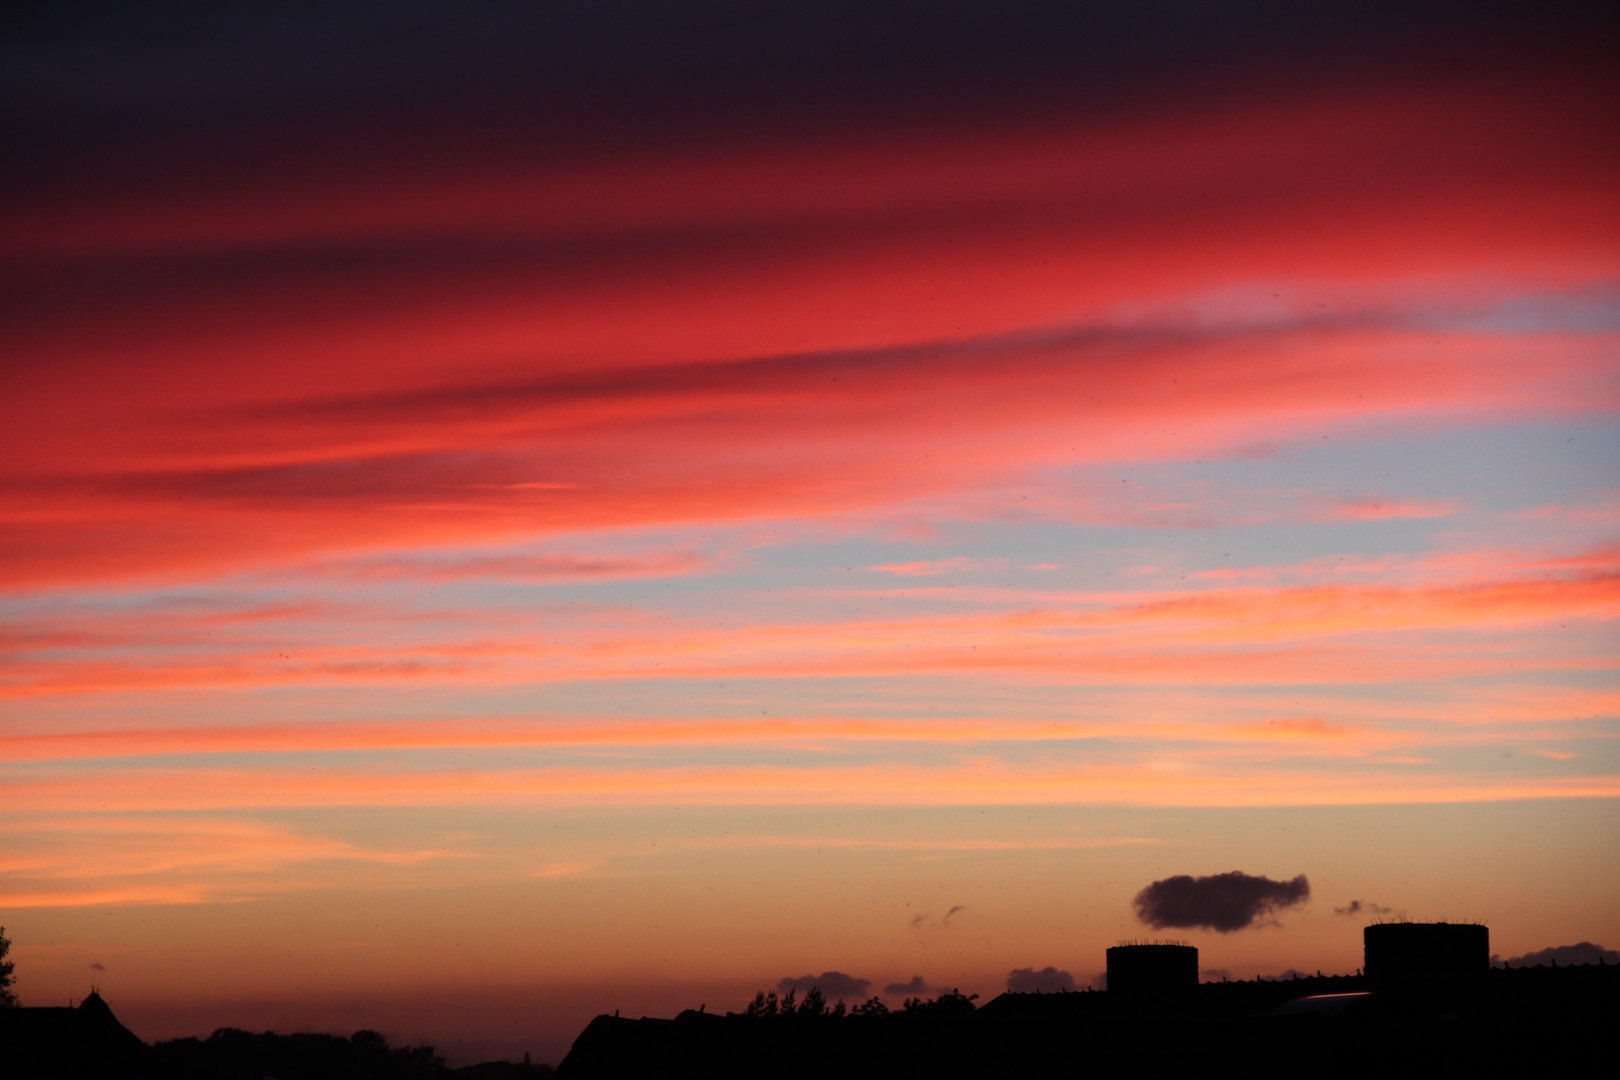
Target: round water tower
x,y
1415,952
1152,969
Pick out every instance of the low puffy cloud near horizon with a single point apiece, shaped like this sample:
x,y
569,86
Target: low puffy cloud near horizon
x,y
1285,975
1563,955
834,985
1219,902
917,987
1047,980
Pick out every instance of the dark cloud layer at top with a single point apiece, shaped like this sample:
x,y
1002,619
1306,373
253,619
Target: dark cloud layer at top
x,y
834,985
174,57
509,79
1221,902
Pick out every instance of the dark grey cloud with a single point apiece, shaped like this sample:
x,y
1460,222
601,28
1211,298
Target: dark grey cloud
x,y
98,966
958,909
1046,980
1563,955
1362,907
917,987
834,985
1220,902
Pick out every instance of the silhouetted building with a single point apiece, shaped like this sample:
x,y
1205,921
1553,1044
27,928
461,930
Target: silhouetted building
x,y
1152,969
1398,954
1529,1021
71,1043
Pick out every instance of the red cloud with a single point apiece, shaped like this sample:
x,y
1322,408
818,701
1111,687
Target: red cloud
x,y
312,362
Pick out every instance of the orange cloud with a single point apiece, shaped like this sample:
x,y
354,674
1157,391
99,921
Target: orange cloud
x,y
1288,728
113,859
1161,783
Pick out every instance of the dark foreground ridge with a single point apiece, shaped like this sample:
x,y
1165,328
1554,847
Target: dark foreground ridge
x,y
1418,1009
1429,1002
88,1043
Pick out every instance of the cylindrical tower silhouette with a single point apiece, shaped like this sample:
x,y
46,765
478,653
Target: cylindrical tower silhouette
x,y
1152,969
1399,953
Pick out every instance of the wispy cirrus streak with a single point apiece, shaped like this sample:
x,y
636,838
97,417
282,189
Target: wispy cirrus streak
x,y
792,435
1164,783
156,844
1229,634
497,732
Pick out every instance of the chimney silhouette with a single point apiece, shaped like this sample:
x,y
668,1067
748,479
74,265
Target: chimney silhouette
x,y
1152,969
1399,954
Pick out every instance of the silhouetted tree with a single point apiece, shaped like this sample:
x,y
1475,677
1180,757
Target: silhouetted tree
x,y
953,1002
763,1004
873,1006
7,998
814,1003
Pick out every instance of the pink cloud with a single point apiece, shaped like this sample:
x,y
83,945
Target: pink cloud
x,y
929,569
1379,508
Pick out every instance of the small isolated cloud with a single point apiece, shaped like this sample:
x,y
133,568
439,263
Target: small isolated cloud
x,y
1220,902
1215,974
532,568
928,569
834,985
917,987
1562,955
566,869
1378,508
98,966
1362,907
1046,980
918,920
1294,728
946,921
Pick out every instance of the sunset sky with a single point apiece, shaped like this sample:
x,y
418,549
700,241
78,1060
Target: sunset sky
x,y
509,512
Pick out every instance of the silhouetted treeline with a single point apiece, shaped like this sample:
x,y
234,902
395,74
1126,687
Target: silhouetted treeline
x,y
815,1004
1541,1020
233,1054
87,1042
924,1037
